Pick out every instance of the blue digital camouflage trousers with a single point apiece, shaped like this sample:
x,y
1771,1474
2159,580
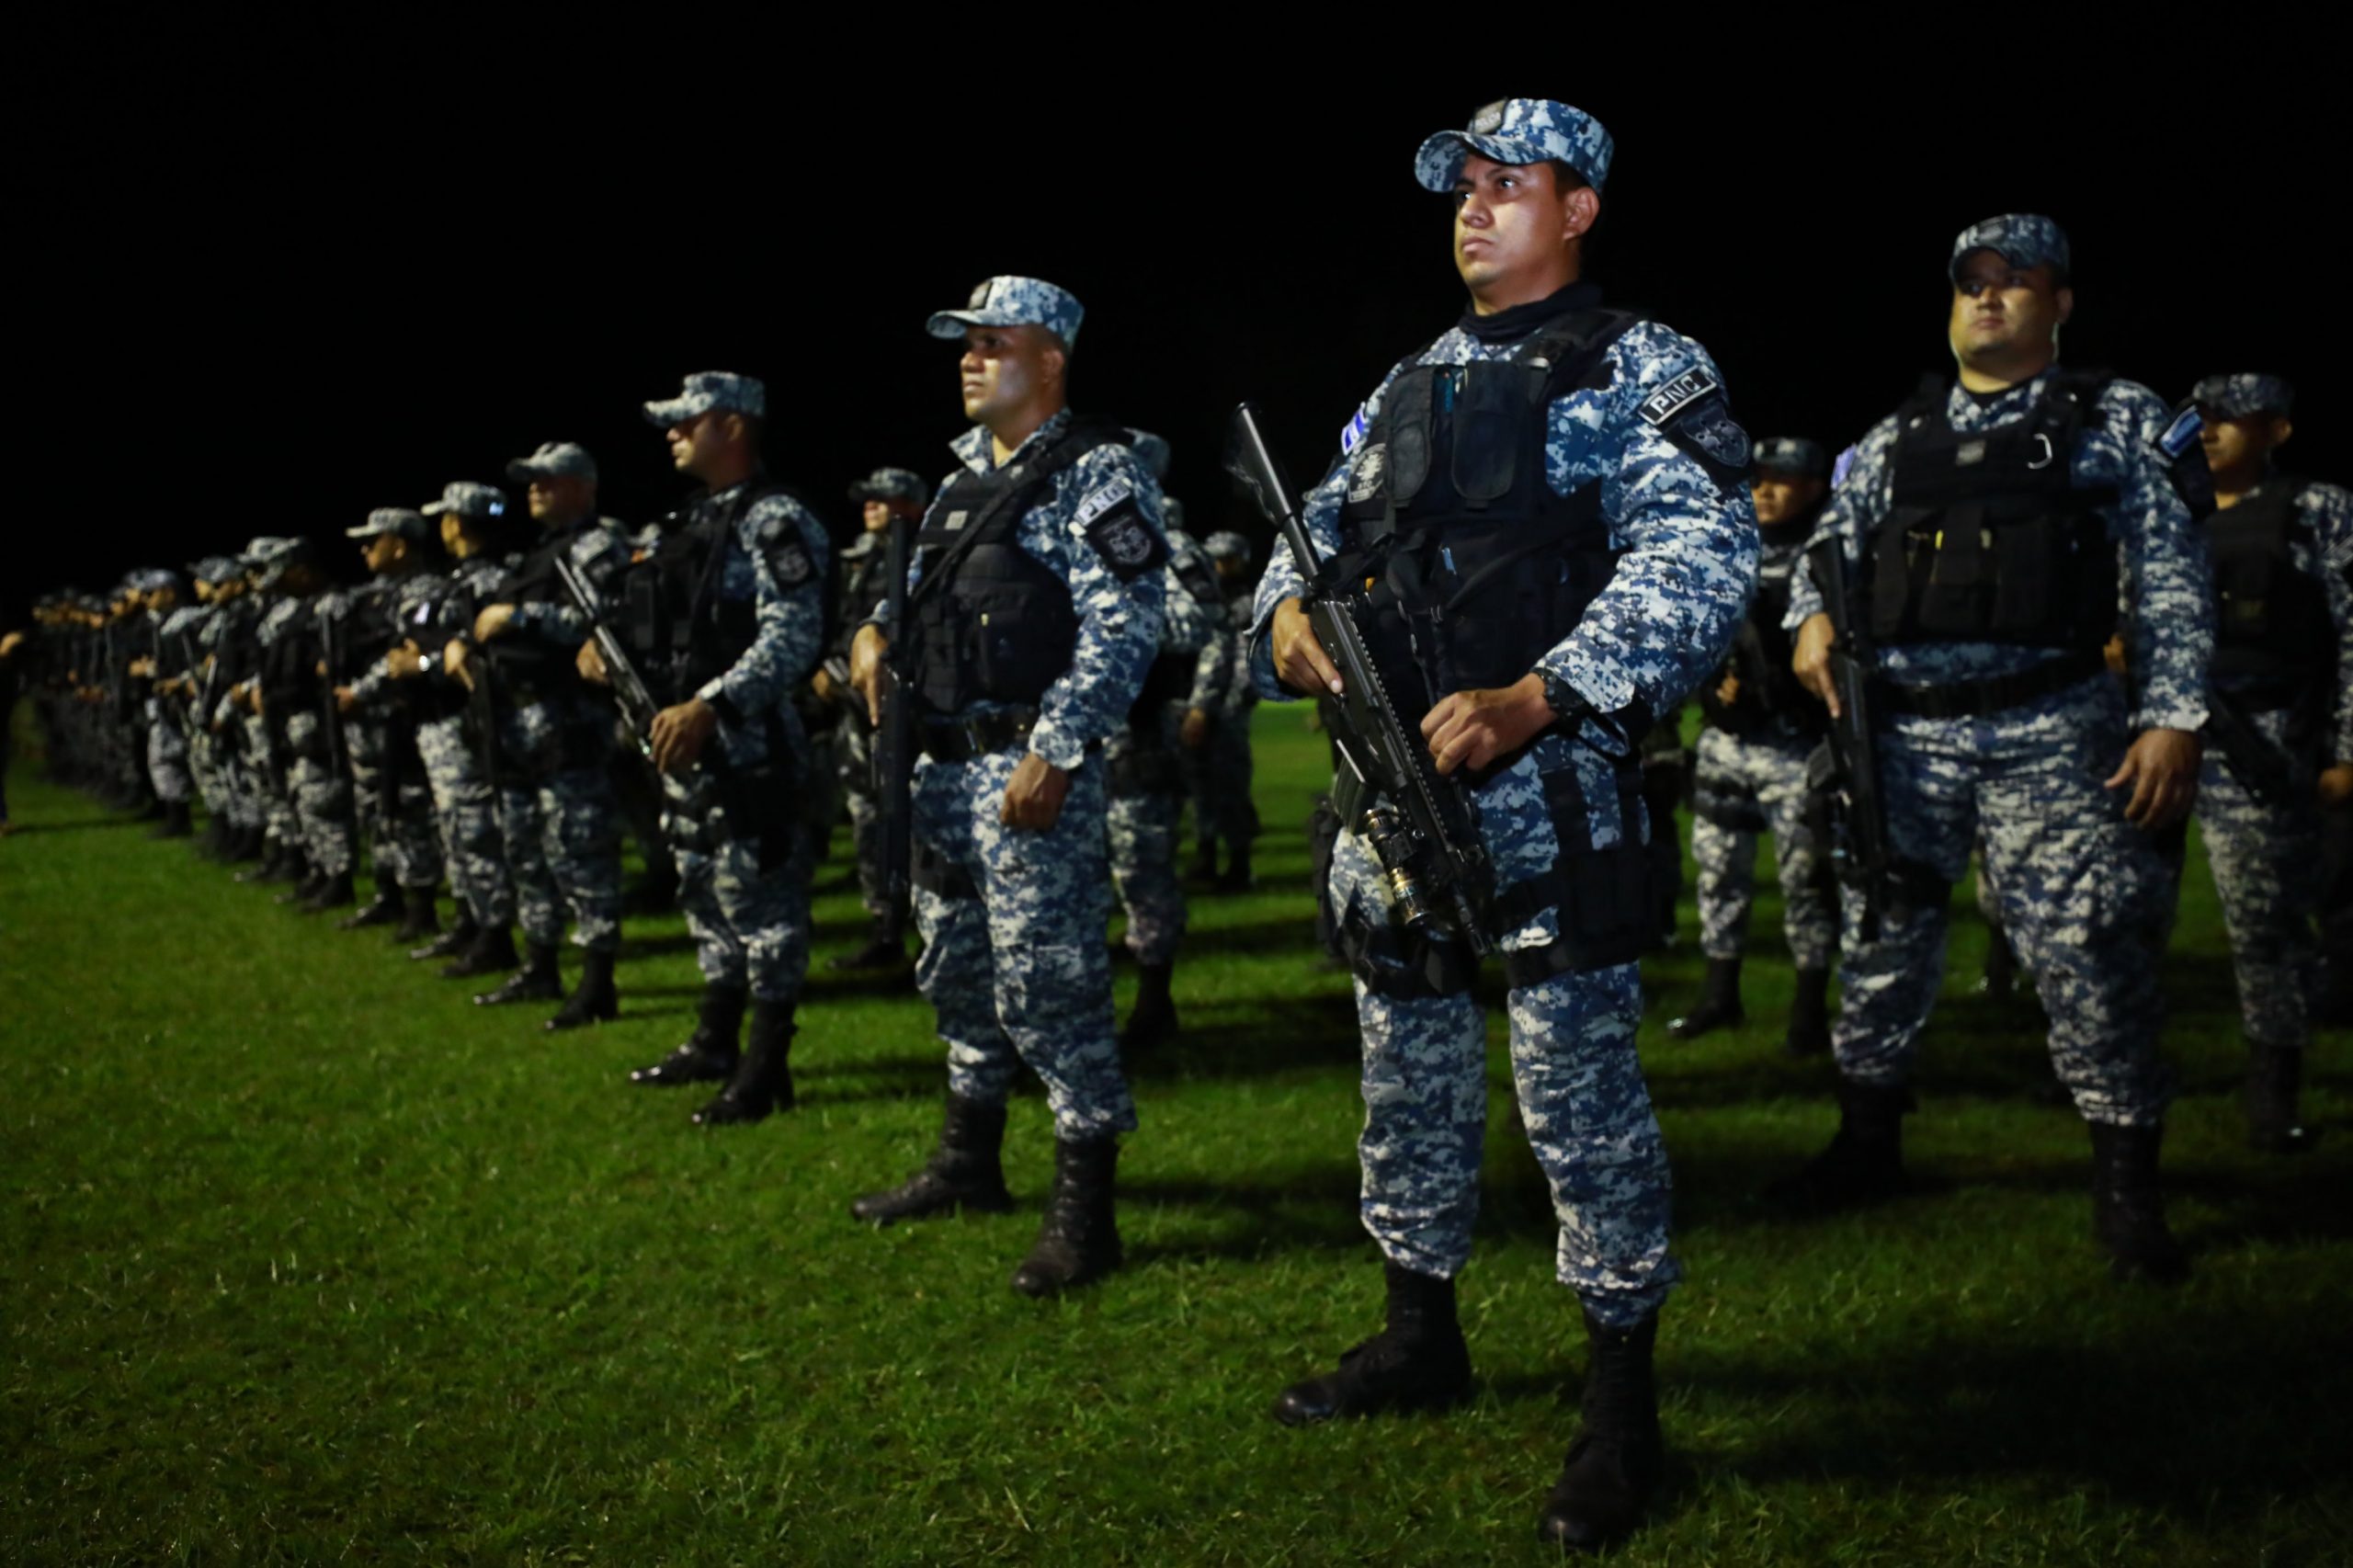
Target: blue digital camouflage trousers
x,y
1744,784
272,782
1147,806
1579,1083
395,808
167,764
321,797
852,747
2266,865
1014,962
2078,889
751,926
561,824
466,812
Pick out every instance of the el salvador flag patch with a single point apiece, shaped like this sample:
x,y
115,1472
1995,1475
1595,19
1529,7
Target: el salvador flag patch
x,y
2181,434
1353,434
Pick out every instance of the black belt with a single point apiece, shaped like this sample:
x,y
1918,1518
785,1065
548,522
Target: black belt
x,y
961,740
1972,698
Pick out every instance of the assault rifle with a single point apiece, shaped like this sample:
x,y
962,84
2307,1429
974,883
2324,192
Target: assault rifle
x,y
637,704
1846,770
339,757
894,734
1440,881
2261,769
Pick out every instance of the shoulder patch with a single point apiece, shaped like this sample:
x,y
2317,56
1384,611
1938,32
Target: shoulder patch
x,y
1113,523
789,563
1663,405
1353,432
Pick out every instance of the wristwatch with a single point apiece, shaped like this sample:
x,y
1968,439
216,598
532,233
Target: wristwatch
x,y
1561,698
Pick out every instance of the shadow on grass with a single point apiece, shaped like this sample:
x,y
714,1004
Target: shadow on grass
x,y
1315,1209
2222,1415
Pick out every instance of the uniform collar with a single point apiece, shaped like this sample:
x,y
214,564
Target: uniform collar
x,y
1511,326
976,448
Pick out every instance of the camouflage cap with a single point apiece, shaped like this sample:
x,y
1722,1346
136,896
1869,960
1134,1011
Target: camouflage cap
x,y
406,521
480,502
891,484
1792,454
1152,450
152,579
1014,301
272,558
1227,545
2022,239
2235,397
1518,130
217,569
554,459
707,392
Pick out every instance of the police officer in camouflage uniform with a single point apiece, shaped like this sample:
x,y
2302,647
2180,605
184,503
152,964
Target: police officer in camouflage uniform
x,y
1593,581
435,609
1147,781
189,631
159,662
2283,666
727,620
1993,528
890,497
1761,729
1033,612
1216,733
225,641
557,812
314,790
387,767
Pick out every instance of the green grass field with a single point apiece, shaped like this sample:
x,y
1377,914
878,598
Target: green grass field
x,y
304,1259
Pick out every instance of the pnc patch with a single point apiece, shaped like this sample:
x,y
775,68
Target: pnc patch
x,y
1679,394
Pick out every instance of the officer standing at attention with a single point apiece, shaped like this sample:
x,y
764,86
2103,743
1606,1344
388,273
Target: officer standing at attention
x,y
387,764
1032,614
727,626
1993,528
889,497
1147,800
1762,726
557,812
291,691
435,610
2283,662
1599,581
1216,732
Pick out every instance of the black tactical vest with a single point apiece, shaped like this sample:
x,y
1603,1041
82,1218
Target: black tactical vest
x,y
987,621
1769,693
535,669
1479,568
681,622
2273,628
1988,540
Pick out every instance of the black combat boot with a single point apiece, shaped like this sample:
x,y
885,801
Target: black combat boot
x,y
762,1080
306,886
1809,1015
213,842
1155,1019
1719,1002
1417,1361
2274,1077
536,981
710,1054
1205,861
334,892
1237,878
176,824
2000,979
2128,1211
491,953
594,1001
886,949
419,917
1865,1159
965,1172
1078,1242
244,844
460,938
1613,1466
382,910
272,864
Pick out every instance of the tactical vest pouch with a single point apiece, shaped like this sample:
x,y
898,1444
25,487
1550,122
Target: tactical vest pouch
x,y
1602,896
940,877
1406,414
1402,965
1492,407
2273,629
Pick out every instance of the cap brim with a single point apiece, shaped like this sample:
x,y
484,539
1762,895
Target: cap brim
x,y
365,530
435,508
677,411
522,471
1439,163
1952,268
951,324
